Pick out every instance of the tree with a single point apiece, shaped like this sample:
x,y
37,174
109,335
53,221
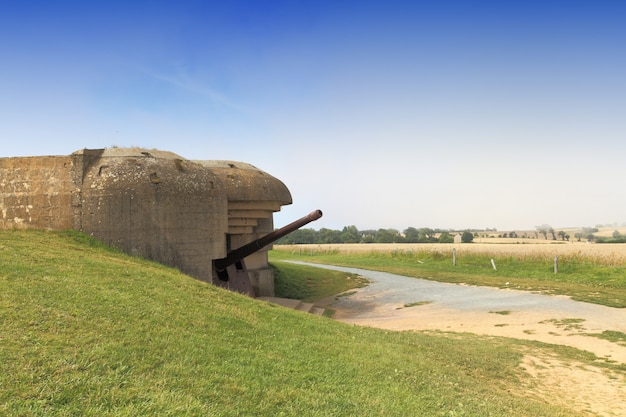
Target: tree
x,y
544,229
299,236
467,237
428,232
617,234
588,233
328,236
446,237
411,235
368,236
386,236
350,234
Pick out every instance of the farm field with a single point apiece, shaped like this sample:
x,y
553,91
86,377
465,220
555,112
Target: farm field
x,y
585,271
606,253
533,236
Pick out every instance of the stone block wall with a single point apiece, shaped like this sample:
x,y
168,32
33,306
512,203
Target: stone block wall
x,y
36,192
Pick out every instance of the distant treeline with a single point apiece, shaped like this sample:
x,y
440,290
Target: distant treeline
x,y
601,239
350,234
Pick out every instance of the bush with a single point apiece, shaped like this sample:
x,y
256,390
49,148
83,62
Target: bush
x,y
467,237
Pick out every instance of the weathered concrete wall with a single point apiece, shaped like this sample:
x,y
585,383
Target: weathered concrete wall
x,y
148,203
158,206
36,192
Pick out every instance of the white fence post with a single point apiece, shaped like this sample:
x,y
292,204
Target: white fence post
x,y
556,264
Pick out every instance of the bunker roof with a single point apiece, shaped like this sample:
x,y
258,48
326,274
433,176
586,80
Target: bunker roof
x,y
245,182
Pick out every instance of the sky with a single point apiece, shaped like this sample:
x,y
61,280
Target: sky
x,y
383,114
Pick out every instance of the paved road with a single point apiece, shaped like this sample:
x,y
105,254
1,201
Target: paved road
x,y
458,307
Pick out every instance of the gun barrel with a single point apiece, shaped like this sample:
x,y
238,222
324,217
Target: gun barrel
x,y
248,249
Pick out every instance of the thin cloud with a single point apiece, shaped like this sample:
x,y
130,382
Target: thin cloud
x,y
187,83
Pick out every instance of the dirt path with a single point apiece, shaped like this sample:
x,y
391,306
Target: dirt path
x,y
399,303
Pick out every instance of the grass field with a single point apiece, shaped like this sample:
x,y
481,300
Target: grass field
x,y
603,254
86,330
586,272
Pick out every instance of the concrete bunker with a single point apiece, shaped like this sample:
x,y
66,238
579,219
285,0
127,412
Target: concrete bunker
x,y
150,203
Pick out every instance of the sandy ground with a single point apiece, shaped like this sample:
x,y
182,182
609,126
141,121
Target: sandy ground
x,y
549,326
399,303
591,389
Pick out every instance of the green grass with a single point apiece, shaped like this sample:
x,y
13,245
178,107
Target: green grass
x,y
581,278
611,336
311,284
568,324
88,331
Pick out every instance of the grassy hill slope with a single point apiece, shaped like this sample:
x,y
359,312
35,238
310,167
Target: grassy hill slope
x,y
85,330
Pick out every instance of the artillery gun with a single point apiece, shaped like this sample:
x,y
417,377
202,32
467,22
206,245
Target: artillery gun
x,y
230,272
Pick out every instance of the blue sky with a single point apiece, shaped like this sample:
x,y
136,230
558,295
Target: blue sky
x,y
391,114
